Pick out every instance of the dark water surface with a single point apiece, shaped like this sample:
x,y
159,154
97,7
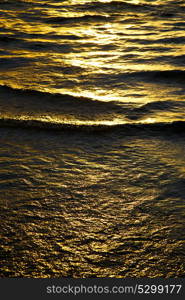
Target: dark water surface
x,y
92,142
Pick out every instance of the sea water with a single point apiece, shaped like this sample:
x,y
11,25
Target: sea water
x,y
92,144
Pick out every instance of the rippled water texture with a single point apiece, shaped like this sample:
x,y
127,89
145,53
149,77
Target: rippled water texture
x,y
92,139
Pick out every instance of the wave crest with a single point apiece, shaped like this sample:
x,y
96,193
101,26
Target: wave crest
x,y
126,128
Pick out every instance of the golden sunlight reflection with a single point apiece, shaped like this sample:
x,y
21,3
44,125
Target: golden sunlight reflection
x,y
92,158
114,48
66,121
45,119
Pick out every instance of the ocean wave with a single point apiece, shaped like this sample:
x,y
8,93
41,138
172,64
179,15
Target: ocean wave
x,y
102,6
161,106
24,41
171,40
115,5
177,77
14,62
19,3
174,75
8,39
28,102
42,102
164,107
158,75
86,18
125,128
42,95
158,41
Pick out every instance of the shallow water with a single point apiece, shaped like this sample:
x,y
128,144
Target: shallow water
x,y
91,205
92,138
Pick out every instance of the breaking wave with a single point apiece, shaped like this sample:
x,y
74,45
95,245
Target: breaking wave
x,y
126,128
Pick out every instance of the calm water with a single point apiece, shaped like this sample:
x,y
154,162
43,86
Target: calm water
x,y
92,143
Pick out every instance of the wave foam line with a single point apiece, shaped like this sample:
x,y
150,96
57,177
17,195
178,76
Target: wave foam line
x,y
127,128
